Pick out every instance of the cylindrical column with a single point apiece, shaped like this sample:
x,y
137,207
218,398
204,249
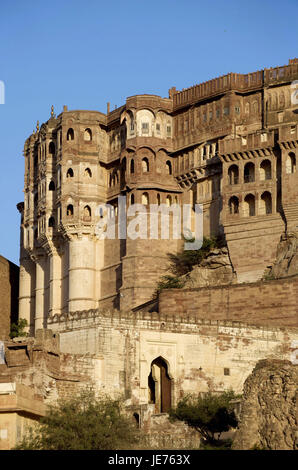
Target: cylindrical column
x,y
81,275
55,284
39,293
26,292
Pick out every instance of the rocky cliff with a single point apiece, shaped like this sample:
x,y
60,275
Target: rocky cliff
x,y
268,418
214,270
286,263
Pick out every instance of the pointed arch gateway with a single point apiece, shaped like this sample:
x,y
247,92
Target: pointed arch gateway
x,y
160,385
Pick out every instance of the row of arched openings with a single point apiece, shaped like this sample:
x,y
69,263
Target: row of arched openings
x,y
249,205
146,168
265,172
70,213
70,173
146,201
71,135
86,211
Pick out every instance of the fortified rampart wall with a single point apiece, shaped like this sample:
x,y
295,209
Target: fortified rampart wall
x,y
271,302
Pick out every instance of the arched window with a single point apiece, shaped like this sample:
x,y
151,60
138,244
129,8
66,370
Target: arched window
x,y
88,173
266,203
169,201
291,163
265,170
51,148
176,200
145,199
88,135
249,172
233,173
234,205
132,199
69,210
158,199
145,165
69,173
249,205
87,212
145,127
169,167
132,166
70,134
52,186
51,222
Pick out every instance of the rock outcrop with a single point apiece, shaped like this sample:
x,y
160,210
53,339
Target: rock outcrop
x,y
286,263
214,270
268,417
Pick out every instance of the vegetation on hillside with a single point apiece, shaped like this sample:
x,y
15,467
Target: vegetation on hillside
x,y
83,422
210,415
183,262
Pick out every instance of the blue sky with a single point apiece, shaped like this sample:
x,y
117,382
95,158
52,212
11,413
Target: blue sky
x,y
85,53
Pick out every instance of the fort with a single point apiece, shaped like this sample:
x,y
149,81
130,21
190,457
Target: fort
x,y
228,145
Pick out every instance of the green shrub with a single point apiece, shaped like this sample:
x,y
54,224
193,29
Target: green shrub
x,y
170,282
18,329
183,262
83,422
210,414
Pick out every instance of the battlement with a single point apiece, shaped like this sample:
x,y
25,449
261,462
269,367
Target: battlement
x,y
285,73
217,86
234,82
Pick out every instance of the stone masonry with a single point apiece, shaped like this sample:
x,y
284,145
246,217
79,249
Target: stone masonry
x,y
9,288
229,144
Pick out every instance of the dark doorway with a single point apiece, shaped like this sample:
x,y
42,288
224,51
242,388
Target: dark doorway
x,y
159,384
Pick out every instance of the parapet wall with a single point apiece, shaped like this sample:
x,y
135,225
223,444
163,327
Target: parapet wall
x,y
235,81
272,303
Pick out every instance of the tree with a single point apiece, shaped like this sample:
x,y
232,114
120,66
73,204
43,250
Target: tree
x,y
18,329
183,262
170,282
83,422
209,414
